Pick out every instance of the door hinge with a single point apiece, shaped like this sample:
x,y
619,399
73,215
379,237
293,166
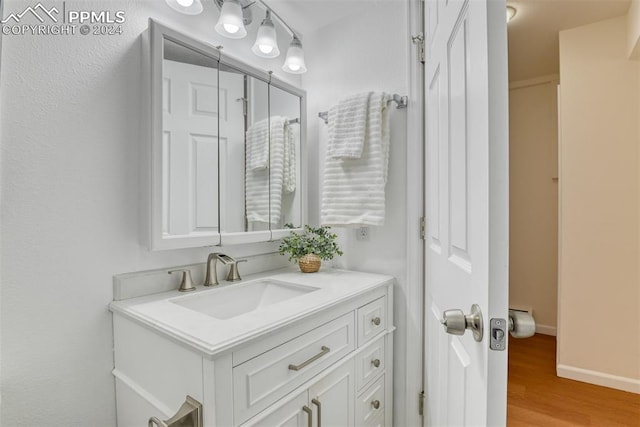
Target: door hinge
x,y
421,403
418,40
423,227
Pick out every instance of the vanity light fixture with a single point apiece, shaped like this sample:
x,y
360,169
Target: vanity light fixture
x,y
188,7
295,58
266,44
511,12
231,23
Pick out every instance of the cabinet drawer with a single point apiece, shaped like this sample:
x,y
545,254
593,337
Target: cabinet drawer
x,y
370,405
370,362
372,319
263,380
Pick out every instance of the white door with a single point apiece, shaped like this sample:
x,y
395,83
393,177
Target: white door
x,y
466,182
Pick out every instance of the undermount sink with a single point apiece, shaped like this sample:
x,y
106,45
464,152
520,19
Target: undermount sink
x,y
235,300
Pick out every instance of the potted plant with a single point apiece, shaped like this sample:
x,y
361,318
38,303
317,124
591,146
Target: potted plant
x,y
309,248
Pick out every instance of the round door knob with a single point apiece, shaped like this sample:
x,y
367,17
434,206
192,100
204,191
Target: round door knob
x,y
375,404
455,322
375,363
376,321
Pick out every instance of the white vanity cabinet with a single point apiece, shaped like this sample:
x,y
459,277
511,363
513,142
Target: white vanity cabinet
x,y
330,366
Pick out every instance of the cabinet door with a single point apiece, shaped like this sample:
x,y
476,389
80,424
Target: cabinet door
x,y
333,398
289,414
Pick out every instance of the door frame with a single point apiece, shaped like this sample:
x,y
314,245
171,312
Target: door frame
x,y
409,371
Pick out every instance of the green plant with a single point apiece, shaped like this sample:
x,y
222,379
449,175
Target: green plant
x,y
319,241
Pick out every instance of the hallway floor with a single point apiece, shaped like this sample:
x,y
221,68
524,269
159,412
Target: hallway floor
x,y
537,397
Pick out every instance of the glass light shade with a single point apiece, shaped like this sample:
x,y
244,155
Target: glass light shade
x,y
230,23
188,7
295,58
511,12
266,44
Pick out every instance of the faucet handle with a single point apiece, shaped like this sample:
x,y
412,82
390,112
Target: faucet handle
x,y
186,283
234,275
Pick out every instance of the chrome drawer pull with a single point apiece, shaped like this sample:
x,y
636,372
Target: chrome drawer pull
x,y
376,321
375,404
324,351
309,412
375,363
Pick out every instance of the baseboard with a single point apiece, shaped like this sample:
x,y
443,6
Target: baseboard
x,y
546,330
599,378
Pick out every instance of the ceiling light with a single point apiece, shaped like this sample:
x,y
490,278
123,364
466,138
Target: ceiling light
x,y
511,12
188,7
295,58
230,24
266,44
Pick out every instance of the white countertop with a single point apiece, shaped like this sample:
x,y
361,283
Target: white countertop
x,y
210,336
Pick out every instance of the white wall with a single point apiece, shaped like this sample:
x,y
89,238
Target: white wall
x,y
367,52
599,285
533,200
71,125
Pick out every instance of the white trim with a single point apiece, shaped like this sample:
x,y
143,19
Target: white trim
x,y
411,380
551,78
546,330
631,385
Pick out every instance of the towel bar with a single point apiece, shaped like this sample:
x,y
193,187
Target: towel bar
x,y
401,102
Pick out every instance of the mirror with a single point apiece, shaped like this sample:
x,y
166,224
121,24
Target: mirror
x,y
285,194
226,148
190,139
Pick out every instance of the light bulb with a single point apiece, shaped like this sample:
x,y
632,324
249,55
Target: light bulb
x,y
294,67
230,28
230,23
188,7
266,44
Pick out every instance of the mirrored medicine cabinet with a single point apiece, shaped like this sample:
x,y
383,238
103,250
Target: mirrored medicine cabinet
x,y
227,147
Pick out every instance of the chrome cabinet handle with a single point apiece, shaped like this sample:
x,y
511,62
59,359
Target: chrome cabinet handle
x,y
309,412
319,405
375,404
376,321
324,351
375,363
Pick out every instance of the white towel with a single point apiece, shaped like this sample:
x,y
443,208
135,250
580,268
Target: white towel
x,y
264,187
347,126
289,184
258,145
353,192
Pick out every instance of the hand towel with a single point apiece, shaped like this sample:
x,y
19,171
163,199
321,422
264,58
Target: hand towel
x,y
353,192
347,126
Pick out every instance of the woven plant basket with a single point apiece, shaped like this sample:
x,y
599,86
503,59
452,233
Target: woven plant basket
x,y
310,263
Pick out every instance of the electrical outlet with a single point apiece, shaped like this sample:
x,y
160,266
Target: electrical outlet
x,y
362,233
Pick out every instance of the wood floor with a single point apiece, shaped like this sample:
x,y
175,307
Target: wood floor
x,y
537,397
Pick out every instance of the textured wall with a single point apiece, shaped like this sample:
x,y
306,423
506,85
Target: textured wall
x,y
378,61
70,218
